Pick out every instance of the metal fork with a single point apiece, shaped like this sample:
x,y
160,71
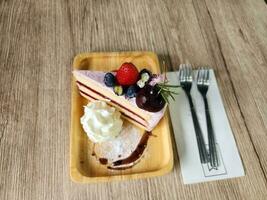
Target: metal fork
x,y
185,78
203,82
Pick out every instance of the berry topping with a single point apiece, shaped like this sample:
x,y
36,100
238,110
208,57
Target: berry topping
x,y
145,71
155,93
109,79
149,98
145,77
118,89
127,74
141,83
131,91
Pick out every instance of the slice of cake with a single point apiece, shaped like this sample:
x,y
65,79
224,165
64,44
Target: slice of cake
x,y
140,96
91,86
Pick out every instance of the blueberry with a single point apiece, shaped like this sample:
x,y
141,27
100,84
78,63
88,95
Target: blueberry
x,y
131,91
145,76
118,89
109,79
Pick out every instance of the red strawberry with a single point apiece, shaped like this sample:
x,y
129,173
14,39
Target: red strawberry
x,y
127,74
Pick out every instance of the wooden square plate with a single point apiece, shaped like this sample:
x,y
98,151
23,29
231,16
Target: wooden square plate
x,y
84,167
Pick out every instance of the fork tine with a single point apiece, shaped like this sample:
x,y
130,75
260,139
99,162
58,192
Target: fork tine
x,y
187,72
184,72
208,76
200,80
203,75
190,72
198,76
181,72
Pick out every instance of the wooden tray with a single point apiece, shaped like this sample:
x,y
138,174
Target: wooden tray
x,y
84,168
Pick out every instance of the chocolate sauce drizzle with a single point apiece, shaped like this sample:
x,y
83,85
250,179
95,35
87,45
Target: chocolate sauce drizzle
x,y
135,155
103,161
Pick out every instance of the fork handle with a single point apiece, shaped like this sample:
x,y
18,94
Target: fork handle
x,y
211,138
203,154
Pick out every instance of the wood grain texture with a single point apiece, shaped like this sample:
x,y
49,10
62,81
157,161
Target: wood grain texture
x,y
39,40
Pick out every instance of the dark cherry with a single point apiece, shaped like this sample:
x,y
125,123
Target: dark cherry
x,y
148,99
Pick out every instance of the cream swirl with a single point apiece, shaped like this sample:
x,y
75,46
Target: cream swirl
x,y
101,122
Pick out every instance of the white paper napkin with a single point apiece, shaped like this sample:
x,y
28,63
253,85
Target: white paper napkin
x,y
192,169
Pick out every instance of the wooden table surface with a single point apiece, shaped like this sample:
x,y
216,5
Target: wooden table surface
x,y
39,39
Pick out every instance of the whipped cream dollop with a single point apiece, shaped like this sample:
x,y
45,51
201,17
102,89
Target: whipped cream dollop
x,y
101,122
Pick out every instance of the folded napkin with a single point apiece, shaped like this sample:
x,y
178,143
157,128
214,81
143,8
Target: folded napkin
x,y
192,169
